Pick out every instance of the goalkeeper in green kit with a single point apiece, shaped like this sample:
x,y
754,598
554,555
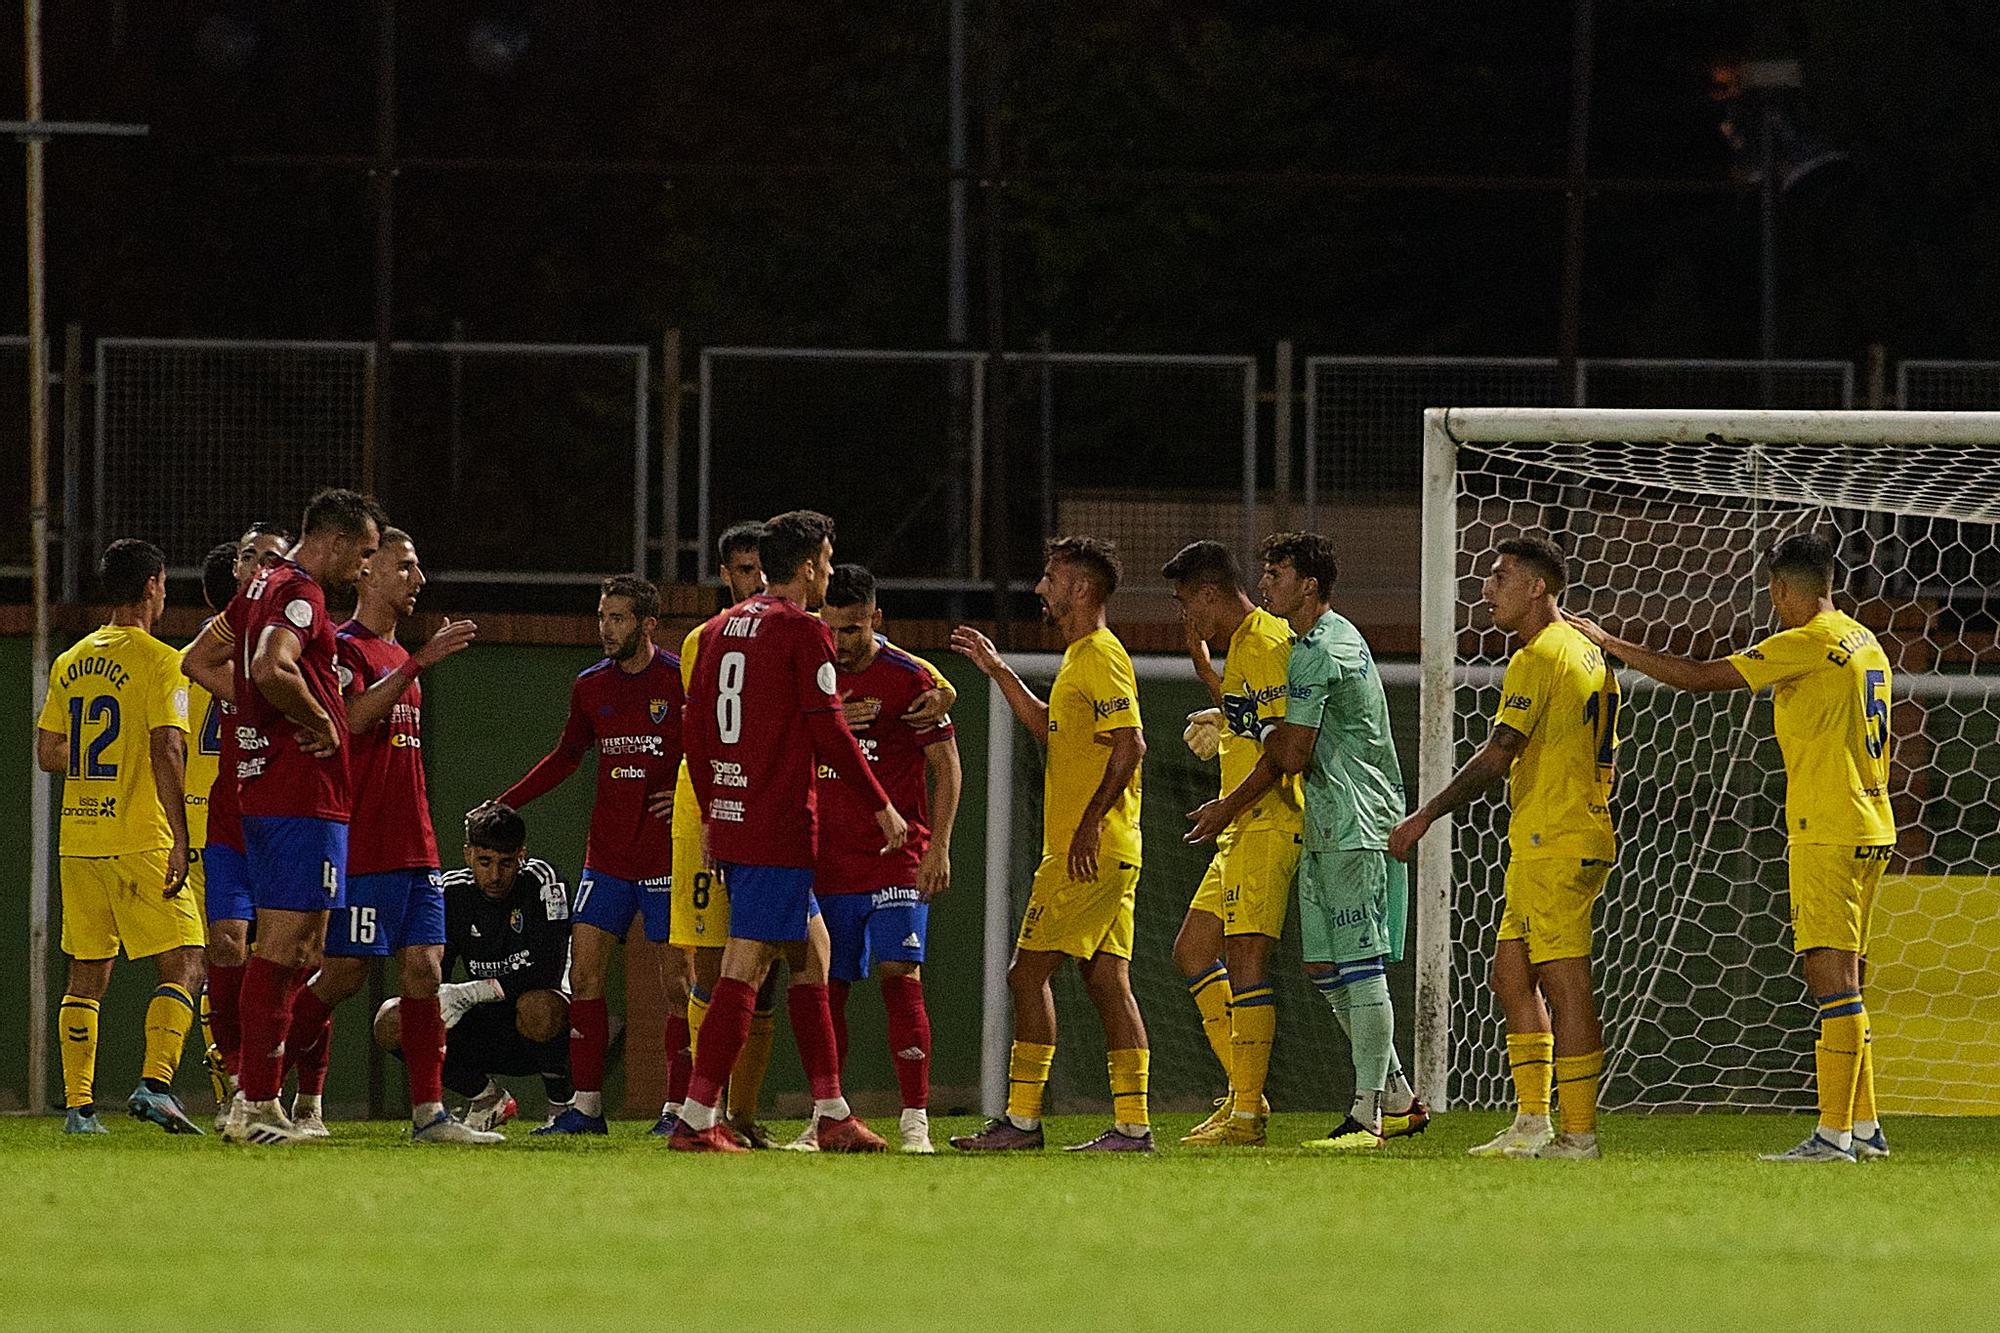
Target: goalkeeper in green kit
x,y
1353,897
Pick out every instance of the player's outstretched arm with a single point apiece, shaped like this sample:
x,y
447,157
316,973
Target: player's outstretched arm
x,y
370,708
1033,712
552,768
933,705
1487,766
1128,748
274,671
1683,673
1287,751
206,661
168,751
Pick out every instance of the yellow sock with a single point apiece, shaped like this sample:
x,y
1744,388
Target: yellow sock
x,y
218,1072
1028,1079
697,1011
1128,1069
1576,1084
1531,1055
1864,1083
1212,997
1254,1022
746,1081
77,1020
168,1018
1837,1058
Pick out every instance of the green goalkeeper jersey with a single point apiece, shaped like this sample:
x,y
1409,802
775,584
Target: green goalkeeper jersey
x,y
1354,784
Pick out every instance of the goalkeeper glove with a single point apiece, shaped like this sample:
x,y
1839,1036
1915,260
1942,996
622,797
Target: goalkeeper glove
x,y
1204,733
457,998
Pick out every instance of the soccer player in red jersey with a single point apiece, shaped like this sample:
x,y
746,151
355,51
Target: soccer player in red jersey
x,y
629,707
761,709
225,875
877,907
291,775
395,904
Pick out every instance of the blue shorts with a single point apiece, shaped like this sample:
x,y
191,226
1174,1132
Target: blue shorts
x,y
610,903
886,926
770,904
395,909
227,884
297,863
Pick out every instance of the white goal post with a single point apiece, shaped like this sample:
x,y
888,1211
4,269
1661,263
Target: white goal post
x,y
1664,514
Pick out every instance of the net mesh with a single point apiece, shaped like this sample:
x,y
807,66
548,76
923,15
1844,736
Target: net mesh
x,y
198,439
1702,1000
1310,1067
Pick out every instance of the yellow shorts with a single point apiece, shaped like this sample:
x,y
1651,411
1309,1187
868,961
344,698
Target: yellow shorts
x,y
1249,880
1833,894
1549,903
112,900
1081,920
701,901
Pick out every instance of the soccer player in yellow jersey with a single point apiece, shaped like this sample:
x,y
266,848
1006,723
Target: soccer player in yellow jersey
x,y
1081,903
1555,738
115,725
700,917
1830,684
1238,911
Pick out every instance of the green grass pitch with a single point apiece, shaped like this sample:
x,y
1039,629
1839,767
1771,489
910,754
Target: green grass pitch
x,y
1678,1228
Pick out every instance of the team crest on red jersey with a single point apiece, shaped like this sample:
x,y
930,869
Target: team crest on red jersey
x,y
658,709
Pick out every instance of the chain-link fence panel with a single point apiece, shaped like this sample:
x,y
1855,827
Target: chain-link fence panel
x,y
1710,383
1948,386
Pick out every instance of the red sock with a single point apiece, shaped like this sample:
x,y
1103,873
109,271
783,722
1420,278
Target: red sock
x,y
836,1003
589,1035
225,1012
723,1033
309,1047
423,1048
812,1031
680,1064
266,1016
909,1038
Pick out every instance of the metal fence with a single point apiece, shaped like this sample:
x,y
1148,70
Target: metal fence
x,y
544,475
1364,414
894,444
14,541
1948,386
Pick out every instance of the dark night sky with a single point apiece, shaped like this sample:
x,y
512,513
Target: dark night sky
x,y
181,235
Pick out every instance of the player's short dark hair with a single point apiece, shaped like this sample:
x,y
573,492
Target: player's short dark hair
x,y
396,535
1096,556
1309,553
126,567
1541,555
788,540
1205,564
342,510
1804,556
851,585
738,537
497,828
218,575
263,528
645,598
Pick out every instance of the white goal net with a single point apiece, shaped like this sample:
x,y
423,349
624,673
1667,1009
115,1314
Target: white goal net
x,y
1664,516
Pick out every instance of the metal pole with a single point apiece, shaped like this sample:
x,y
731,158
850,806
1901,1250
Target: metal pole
x,y
457,391
382,189
38,525
966,485
996,1018
642,455
1248,522
958,316
1767,221
1576,194
670,457
1438,619
1281,441
999,393
1045,381
72,382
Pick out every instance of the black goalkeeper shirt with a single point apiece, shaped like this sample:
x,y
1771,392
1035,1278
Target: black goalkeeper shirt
x,y
520,941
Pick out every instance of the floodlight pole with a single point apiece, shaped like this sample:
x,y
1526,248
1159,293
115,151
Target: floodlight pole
x,y
35,133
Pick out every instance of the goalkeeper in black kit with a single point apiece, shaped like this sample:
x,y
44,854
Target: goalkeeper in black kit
x,y
507,918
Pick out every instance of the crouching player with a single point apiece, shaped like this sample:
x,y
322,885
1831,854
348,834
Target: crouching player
x,y
507,920
877,906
